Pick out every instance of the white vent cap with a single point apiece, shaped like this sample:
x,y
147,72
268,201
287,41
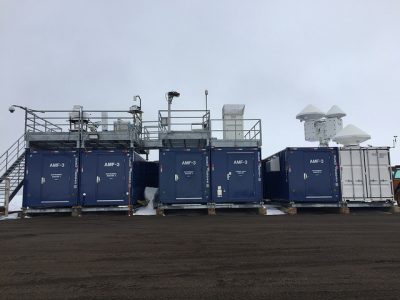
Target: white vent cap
x,y
233,109
351,136
310,112
335,112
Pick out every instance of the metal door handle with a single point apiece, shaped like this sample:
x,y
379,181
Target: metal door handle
x,y
42,180
176,177
305,176
97,179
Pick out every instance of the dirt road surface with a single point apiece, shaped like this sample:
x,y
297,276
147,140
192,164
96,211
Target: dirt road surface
x,y
201,257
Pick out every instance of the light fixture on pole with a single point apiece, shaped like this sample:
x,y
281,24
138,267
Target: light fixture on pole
x,y
171,95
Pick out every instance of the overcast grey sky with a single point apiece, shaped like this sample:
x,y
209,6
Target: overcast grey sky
x,y
274,56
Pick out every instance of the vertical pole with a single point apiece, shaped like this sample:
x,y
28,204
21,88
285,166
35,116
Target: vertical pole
x,y
6,196
169,113
207,115
80,134
206,92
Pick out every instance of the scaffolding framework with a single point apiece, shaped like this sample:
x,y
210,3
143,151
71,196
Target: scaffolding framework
x,y
118,129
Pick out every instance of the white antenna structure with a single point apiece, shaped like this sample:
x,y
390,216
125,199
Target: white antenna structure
x,y
321,127
351,136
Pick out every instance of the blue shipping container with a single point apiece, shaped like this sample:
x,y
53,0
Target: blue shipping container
x,y
144,174
184,176
303,175
236,175
105,177
51,179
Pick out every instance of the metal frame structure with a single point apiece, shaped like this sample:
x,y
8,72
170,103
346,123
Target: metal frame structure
x,y
173,128
116,129
212,207
195,128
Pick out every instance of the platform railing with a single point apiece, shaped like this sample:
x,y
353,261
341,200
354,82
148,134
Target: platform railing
x,y
12,168
11,155
184,120
52,121
36,123
83,123
150,130
188,121
236,129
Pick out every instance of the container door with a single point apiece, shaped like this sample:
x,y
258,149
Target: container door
x,y
377,166
33,180
353,174
51,180
295,170
318,176
105,179
57,182
112,179
240,176
189,177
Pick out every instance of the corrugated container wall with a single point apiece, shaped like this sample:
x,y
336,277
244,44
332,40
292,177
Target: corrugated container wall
x,y
366,174
184,176
236,175
51,179
303,175
105,177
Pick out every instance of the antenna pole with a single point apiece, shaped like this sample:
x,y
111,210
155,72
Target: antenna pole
x,y
206,93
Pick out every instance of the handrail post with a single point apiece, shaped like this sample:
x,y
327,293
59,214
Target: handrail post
x,y
34,123
6,195
7,159
26,121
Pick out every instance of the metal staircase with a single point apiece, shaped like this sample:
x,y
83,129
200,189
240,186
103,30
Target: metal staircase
x,y
12,167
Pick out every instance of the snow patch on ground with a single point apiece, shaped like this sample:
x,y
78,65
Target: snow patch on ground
x,y
15,205
148,210
12,216
274,211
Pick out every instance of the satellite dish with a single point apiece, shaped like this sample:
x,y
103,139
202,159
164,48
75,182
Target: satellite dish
x,y
351,136
335,112
310,112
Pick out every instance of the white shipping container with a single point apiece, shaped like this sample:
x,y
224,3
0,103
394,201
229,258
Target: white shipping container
x,y
366,175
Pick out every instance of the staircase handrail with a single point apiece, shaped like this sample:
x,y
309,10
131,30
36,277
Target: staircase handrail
x,y
11,155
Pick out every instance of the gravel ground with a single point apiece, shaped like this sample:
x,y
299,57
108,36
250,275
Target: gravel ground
x,y
326,256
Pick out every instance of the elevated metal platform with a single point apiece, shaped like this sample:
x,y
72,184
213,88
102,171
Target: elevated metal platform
x,y
91,129
235,143
52,140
